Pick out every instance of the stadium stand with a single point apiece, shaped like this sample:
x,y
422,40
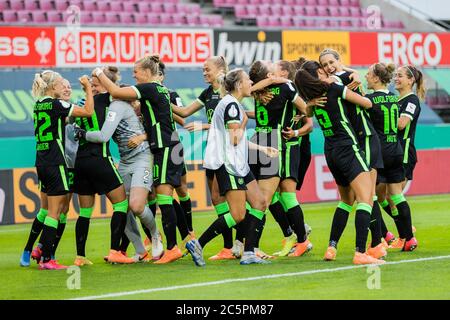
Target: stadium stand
x,y
128,12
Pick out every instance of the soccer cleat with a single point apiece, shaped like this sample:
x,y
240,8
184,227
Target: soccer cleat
x,y
397,244
157,247
196,251
410,245
224,254
170,256
379,252
147,244
25,259
330,254
249,257
117,257
51,265
385,244
389,237
237,249
364,258
261,254
144,257
36,254
288,244
82,261
308,229
301,248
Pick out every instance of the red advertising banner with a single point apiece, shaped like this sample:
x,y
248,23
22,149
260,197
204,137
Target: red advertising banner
x,y
89,47
27,47
420,49
319,184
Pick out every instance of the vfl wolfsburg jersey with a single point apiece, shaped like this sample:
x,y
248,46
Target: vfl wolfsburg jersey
x,y
209,99
157,112
49,128
409,107
384,115
357,116
95,123
333,119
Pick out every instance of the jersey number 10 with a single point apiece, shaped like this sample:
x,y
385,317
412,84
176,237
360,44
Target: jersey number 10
x,y
390,118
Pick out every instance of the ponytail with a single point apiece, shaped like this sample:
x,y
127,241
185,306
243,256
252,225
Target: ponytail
x,y
43,82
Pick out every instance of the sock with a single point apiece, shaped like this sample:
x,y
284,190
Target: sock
x,y
241,228
133,234
186,204
59,231
394,215
169,219
152,205
384,229
222,209
82,230
375,224
261,227
362,222
222,223
148,222
294,214
36,229
181,219
118,223
253,229
48,237
279,215
124,243
339,222
404,214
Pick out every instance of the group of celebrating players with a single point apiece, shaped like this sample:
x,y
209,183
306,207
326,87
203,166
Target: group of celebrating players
x,y
369,149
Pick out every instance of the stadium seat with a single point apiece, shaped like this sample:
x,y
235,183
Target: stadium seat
x,y
166,19
346,24
126,18
298,22
192,20
24,16
155,7
215,20
240,11
310,11
143,7
311,2
141,18
264,10
4,6
169,8
334,11
38,16
90,6
9,16
276,10
310,23
255,2
286,22
322,11
16,5
274,21
130,7
252,11
300,2
262,21
117,6
98,18
299,11
194,8
322,2
30,5
61,5
333,3
355,3
153,19
344,11
345,3
112,17
287,11
54,17
355,12
289,3
86,18
179,19
334,24
219,3
103,6
46,5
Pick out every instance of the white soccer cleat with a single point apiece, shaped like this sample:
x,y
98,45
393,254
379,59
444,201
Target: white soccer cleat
x,y
157,247
237,249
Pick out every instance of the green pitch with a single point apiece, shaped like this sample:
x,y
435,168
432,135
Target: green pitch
x,y
422,274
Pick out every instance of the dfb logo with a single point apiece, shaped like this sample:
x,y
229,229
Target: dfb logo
x,y
242,48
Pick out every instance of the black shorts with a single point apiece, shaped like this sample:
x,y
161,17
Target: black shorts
x,y
372,150
261,165
228,182
168,165
305,161
95,175
393,171
345,163
53,180
71,178
209,173
409,169
290,161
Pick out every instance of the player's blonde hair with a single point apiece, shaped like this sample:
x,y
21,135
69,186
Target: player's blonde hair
x,y
383,71
151,63
43,82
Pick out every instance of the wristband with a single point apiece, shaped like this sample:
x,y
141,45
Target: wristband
x,y
296,133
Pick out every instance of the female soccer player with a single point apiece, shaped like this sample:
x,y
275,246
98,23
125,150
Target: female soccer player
x,y
342,153
368,142
51,166
384,115
213,70
162,136
273,129
70,150
95,172
134,168
227,154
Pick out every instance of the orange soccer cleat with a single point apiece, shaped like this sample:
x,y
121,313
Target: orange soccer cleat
x,y
82,261
330,254
117,257
170,256
379,252
363,258
224,254
397,244
301,248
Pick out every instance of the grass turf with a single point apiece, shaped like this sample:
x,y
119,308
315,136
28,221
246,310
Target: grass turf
x,y
416,280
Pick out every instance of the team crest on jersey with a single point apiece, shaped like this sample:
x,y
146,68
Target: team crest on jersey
x,y
232,111
241,181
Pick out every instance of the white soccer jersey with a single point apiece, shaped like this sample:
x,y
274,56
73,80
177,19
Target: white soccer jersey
x,y
219,149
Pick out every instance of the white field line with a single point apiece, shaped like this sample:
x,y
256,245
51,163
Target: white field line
x,y
271,276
